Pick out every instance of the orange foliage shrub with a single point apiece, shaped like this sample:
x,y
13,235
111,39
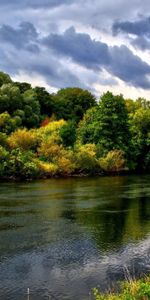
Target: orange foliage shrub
x,y
45,122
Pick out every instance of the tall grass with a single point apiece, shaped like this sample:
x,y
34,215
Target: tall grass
x,y
129,290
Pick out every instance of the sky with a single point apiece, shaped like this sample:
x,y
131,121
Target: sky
x,y
98,45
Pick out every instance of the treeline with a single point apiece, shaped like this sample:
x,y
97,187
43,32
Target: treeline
x,y
69,132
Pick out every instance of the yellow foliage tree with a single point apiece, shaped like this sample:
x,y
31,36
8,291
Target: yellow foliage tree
x,y
23,139
52,127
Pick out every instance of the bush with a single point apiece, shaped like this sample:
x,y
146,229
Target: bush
x,y
66,162
86,160
50,150
21,165
46,169
113,162
52,127
23,139
130,290
9,124
4,154
3,139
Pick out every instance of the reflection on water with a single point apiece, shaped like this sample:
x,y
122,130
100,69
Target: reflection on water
x,y
62,237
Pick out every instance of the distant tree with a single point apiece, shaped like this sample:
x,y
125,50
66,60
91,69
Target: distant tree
x,y
9,124
4,78
72,103
140,141
130,105
46,101
10,98
31,109
23,86
68,134
107,124
142,102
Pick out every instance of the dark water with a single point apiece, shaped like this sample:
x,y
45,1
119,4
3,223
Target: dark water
x,y
60,237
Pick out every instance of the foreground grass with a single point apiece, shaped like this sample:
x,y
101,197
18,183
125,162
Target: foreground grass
x,y
131,290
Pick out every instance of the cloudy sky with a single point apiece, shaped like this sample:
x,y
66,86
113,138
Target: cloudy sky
x,y
99,45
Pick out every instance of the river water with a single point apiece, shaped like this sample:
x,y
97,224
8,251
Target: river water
x,y
62,237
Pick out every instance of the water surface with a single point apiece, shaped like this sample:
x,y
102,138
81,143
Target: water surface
x,y
61,237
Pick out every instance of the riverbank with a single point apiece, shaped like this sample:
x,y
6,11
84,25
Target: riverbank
x,y
38,176
129,290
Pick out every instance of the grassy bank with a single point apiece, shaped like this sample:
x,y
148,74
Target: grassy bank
x,y
130,290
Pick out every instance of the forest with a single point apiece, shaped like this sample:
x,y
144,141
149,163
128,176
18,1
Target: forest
x,y
70,133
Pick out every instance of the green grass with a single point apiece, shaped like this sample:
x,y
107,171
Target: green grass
x,y
129,290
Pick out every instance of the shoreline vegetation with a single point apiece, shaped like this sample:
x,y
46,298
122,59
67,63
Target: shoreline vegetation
x,y
129,290
70,133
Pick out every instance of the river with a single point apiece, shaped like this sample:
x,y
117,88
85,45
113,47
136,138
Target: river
x,y
62,237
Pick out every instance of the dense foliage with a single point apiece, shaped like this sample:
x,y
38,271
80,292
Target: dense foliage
x,y
130,290
66,133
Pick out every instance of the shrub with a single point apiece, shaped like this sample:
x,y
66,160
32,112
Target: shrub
x,y
52,127
66,162
21,164
86,160
113,162
50,150
9,124
45,122
3,139
23,139
130,290
46,169
4,154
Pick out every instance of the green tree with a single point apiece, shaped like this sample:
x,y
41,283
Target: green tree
x,y
23,86
4,78
68,134
46,101
10,98
142,103
72,103
140,142
107,124
21,165
31,109
9,124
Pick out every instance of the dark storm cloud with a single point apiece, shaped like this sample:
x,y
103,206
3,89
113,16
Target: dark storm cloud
x,y
129,67
23,37
58,77
141,42
14,61
24,48
140,29
80,47
119,61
